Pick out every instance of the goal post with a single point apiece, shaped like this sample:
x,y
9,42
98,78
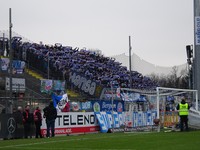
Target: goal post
x,y
161,102
170,118
177,91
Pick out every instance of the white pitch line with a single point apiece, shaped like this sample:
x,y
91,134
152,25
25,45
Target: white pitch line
x,y
65,140
78,148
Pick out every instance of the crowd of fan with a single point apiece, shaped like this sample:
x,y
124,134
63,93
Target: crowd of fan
x,y
64,59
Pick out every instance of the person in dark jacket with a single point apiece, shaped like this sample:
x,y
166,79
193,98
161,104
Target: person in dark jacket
x,y
183,109
18,116
27,120
38,122
50,113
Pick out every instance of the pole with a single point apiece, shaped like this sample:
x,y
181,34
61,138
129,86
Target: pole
x,y
48,66
3,44
11,58
131,83
112,107
157,106
196,70
189,81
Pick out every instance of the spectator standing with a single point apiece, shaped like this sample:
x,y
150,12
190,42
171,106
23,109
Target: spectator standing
x,y
27,120
18,115
50,113
183,108
38,122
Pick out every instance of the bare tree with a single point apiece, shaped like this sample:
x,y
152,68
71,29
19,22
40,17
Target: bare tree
x,y
173,80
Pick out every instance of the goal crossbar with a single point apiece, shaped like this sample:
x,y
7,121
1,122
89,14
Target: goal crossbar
x,y
174,89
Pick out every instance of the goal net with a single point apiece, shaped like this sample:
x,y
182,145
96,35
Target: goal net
x,y
167,100
143,107
139,112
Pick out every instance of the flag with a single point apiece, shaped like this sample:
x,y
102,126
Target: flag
x,y
60,101
118,92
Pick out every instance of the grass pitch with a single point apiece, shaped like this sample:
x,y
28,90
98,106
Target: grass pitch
x,y
110,141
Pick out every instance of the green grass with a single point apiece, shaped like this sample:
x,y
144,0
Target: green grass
x,y
110,141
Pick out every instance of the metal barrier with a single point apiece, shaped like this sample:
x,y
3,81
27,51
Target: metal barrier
x,y
7,105
12,128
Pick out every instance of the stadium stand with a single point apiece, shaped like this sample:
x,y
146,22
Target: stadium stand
x,y
63,59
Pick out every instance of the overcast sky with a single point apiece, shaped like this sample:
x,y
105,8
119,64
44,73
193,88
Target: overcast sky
x,y
160,29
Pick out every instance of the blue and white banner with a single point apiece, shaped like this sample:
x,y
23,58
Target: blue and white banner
x,y
58,85
105,120
18,66
197,30
4,63
106,105
86,105
138,119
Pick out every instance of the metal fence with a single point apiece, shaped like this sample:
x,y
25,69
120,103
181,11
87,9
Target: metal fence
x,y
8,105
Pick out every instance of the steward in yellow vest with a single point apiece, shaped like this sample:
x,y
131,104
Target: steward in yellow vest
x,y
183,109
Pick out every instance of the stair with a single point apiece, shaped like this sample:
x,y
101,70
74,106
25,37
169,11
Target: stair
x,y
33,83
34,74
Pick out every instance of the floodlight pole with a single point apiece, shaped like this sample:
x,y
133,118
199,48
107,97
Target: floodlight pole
x,y
112,107
131,82
48,66
11,58
3,43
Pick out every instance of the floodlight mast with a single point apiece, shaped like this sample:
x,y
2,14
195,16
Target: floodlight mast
x,y
11,58
196,71
130,66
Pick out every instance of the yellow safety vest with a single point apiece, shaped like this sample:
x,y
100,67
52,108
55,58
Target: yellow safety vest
x,y
183,109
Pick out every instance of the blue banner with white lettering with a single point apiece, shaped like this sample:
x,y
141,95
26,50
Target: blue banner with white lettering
x,y
105,120
106,105
18,66
86,105
143,118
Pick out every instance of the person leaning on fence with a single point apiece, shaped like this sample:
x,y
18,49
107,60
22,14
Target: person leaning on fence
x,y
50,113
183,109
38,122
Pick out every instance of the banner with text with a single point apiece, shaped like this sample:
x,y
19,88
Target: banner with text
x,y
138,119
73,123
106,105
106,122
84,84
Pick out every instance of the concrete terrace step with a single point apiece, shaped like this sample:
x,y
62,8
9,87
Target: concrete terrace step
x,y
34,74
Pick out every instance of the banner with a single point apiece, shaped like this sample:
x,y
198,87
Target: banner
x,y
4,64
58,85
18,66
197,30
86,105
73,123
18,84
106,105
107,120
48,86
132,96
138,119
84,84
11,127
108,94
